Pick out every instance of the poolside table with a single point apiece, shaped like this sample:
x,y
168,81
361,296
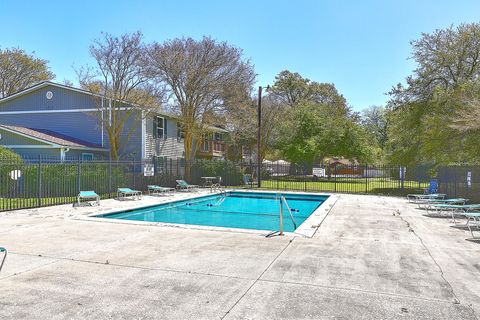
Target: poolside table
x,y
208,181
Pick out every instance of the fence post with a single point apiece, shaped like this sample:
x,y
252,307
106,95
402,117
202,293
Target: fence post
x,y
39,181
133,172
109,177
403,170
278,175
78,174
366,178
304,178
335,177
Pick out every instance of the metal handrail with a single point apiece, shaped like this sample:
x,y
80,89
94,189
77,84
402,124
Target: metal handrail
x,y
289,211
5,252
220,201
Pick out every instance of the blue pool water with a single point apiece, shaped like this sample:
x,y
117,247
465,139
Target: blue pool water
x,y
234,210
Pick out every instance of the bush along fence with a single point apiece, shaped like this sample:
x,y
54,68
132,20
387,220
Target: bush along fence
x,y
30,183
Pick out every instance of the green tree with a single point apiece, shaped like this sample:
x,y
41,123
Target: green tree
x,y
20,70
445,58
291,89
313,131
429,119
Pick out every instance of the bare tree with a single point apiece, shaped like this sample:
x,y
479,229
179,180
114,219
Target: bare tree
x,y
120,85
19,70
201,77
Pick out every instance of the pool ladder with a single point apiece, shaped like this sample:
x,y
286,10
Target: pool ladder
x,y
220,201
4,251
282,201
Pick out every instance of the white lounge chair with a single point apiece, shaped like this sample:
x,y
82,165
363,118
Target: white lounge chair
x,y
88,195
124,193
426,204
154,189
416,198
451,210
183,185
473,221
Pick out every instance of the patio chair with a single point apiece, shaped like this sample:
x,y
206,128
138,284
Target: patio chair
x,y
430,202
247,180
433,187
124,193
154,189
183,185
88,195
4,251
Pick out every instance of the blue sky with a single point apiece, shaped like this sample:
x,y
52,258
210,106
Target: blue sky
x,y
360,46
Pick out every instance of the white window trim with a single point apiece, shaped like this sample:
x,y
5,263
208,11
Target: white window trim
x,y
144,135
87,154
164,123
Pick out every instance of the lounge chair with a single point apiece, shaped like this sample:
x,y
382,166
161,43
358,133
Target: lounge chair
x,y
88,195
124,193
451,210
416,198
154,189
430,202
183,185
4,251
473,221
430,192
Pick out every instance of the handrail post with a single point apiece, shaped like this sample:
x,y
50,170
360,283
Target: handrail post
x,y
281,215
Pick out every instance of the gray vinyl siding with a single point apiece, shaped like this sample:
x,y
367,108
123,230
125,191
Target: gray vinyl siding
x,y
10,138
86,126
131,138
80,125
32,153
63,99
168,146
54,153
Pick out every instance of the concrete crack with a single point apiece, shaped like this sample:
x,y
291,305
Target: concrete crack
x,y
456,299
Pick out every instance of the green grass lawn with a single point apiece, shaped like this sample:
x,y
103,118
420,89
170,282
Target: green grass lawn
x,y
357,185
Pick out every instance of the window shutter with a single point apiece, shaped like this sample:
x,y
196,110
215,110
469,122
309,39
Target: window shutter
x,y
155,125
165,128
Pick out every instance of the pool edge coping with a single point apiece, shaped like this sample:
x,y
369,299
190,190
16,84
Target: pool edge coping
x,y
307,229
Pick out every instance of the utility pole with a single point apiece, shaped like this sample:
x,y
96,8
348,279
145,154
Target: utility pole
x,y
259,136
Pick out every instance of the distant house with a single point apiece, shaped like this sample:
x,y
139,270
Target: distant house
x,y
53,120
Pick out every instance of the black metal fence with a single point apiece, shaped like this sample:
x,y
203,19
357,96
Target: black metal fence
x,y
389,180
30,183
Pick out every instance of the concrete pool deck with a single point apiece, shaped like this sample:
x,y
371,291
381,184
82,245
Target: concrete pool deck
x,y
371,258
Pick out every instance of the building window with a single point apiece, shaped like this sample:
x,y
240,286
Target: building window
x,y
218,136
87,156
205,147
159,127
180,132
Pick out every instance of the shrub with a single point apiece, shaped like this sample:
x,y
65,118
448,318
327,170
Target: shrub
x,y
230,172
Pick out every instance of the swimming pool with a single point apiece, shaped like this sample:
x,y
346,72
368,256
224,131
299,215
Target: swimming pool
x,y
245,210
